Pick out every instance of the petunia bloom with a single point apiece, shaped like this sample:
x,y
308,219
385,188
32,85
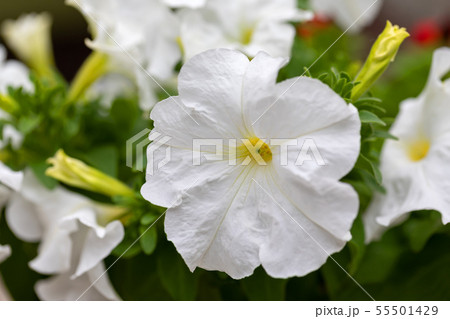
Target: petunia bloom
x,y
415,168
75,235
139,37
246,25
352,14
30,38
264,209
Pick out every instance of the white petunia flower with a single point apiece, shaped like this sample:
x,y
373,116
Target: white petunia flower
x,y
135,34
75,233
246,25
234,218
13,74
146,29
30,38
185,3
10,182
346,13
415,168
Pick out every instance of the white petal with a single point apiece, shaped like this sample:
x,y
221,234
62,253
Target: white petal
x,y
5,252
63,288
353,14
329,204
439,68
216,225
98,241
173,121
10,178
54,253
185,3
295,245
23,219
272,37
14,74
289,110
211,83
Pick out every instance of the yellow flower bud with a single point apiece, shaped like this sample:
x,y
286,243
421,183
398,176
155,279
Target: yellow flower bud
x,y
95,66
30,39
8,104
382,53
76,173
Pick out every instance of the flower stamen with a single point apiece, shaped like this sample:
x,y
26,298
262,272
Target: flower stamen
x,y
418,150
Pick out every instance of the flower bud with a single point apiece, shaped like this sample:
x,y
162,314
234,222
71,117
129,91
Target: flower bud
x,y
95,66
76,173
382,53
29,37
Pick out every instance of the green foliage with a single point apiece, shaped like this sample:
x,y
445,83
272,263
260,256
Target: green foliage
x,y
259,287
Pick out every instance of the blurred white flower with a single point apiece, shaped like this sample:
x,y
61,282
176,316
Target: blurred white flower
x,y
415,168
246,25
185,3
110,87
75,233
13,74
30,38
64,287
10,181
236,217
349,12
146,29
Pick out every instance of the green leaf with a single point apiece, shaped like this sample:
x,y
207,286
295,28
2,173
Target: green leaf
x,y
356,244
373,167
370,118
104,158
28,124
175,276
148,219
262,287
420,227
148,240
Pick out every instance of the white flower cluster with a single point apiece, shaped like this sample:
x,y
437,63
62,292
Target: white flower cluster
x,y
285,217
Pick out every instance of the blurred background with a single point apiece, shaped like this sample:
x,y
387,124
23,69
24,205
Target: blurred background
x,y
425,19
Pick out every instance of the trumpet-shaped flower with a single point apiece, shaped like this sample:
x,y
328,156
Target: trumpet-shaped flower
x,y
349,13
146,30
75,233
415,168
266,209
30,39
246,25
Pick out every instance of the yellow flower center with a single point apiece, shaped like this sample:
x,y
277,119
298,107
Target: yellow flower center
x,y
418,150
246,36
256,150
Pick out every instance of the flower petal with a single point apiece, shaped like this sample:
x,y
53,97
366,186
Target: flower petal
x,y
216,225
63,288
98,241
211,83
294,245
